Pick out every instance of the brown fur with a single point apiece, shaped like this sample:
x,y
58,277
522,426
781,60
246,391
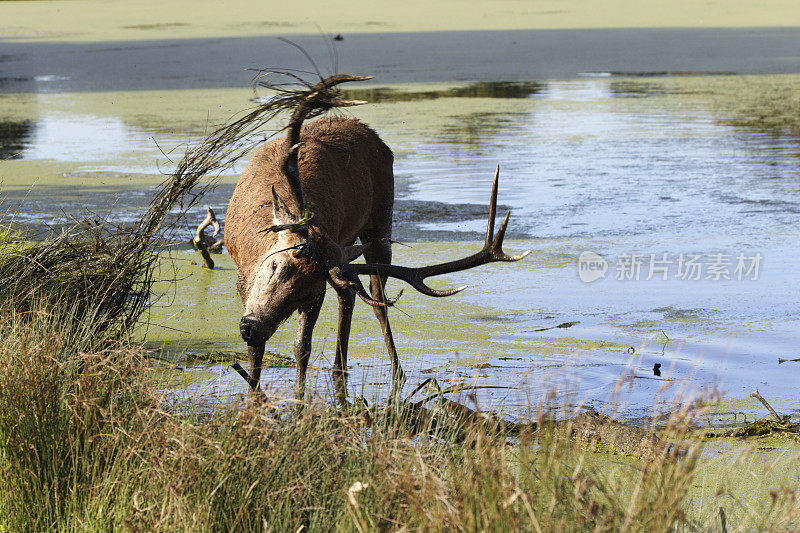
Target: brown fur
x,y
297,209
346,172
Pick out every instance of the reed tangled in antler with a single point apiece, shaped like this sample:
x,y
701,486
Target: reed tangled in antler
x,y
224,146
95,277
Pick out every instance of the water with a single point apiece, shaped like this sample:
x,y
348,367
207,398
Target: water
x,y
653,168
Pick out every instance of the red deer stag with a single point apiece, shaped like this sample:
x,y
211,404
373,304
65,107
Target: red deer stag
x,y
292,222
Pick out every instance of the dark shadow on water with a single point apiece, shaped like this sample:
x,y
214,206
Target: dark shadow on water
x,y
411,215
672,313
16,84
44,209
478,129
638,89
47,209
197,346
162,25
760,205
656,73
486,89
14,137
418,211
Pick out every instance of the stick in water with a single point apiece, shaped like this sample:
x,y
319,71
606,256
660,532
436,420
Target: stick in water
x,y
761,399
202,243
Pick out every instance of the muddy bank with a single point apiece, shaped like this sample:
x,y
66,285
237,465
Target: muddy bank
x,y
435,56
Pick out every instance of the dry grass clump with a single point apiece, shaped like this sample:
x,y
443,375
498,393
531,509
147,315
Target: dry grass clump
x,y
91,279
85,445
63,417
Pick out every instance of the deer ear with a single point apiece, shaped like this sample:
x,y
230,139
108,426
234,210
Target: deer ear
x,y
280,211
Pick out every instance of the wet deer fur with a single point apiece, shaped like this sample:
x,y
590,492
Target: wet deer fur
x,y
291,226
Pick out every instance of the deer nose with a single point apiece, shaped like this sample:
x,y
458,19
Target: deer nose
x,y
249,330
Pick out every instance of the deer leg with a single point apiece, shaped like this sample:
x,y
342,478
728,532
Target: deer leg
x,y
347,298
381,252
302,343
377,286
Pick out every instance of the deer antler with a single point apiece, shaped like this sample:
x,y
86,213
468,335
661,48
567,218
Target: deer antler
x,y
319,97
347,274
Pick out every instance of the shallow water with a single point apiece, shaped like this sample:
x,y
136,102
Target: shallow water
x,y
619,167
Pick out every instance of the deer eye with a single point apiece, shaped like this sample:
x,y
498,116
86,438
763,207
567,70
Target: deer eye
x,y
274,266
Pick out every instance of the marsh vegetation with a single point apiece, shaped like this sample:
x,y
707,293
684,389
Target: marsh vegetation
x,y
90,438
86,444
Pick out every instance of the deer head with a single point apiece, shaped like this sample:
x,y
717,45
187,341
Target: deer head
x,y
304,258
292,273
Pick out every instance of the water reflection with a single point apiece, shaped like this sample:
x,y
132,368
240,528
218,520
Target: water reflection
x,y
485,89
67,138
14,136
577,160
637,89
475,130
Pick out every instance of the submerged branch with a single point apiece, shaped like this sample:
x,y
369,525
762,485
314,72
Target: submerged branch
x,y
204,244
761,399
